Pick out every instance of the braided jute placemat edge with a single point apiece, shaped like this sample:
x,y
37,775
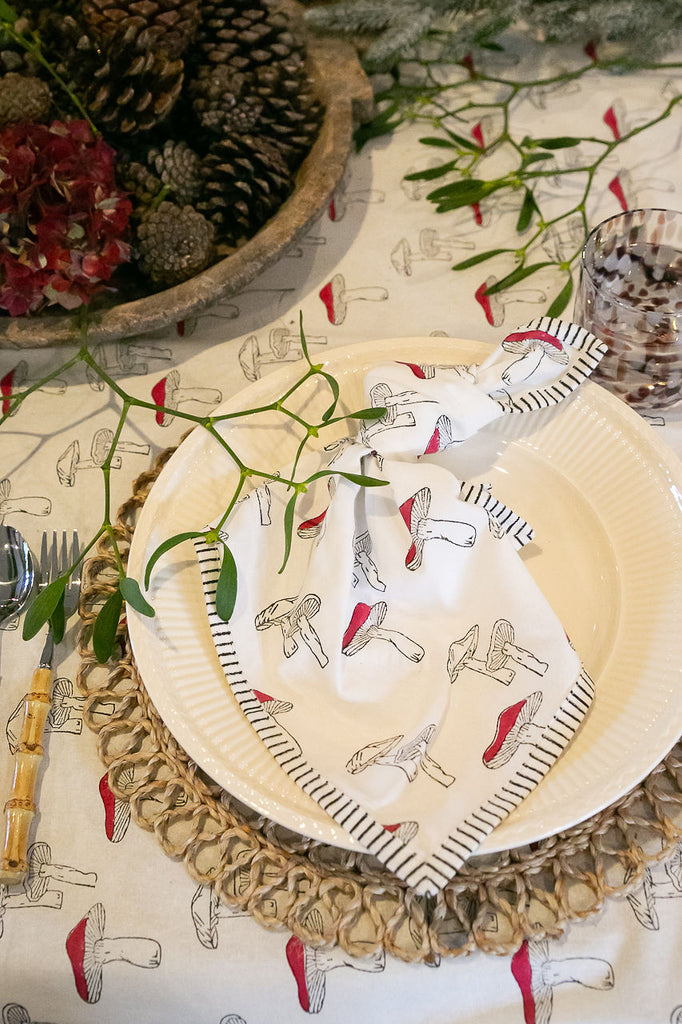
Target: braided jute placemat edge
x,y
244,863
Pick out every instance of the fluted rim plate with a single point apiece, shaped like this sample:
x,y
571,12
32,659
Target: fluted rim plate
x,y
604,495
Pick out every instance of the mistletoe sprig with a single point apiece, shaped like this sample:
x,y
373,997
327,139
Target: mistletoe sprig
x,y
48,605
450,108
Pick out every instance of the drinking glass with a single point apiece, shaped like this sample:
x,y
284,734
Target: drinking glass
x,y
630,296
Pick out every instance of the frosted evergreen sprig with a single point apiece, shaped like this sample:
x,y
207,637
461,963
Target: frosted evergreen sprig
x,y
645,29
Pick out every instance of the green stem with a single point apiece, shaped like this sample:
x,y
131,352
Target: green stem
x,y
33,47
17,398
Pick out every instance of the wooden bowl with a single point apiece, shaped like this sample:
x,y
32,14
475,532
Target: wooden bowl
x,y
346,93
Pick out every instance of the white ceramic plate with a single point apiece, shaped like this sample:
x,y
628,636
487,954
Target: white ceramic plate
x,y
605,497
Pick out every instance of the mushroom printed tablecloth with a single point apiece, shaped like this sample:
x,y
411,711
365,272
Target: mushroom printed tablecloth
x,y
106,927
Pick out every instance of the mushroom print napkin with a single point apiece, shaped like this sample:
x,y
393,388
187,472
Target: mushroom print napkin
x,y
404,668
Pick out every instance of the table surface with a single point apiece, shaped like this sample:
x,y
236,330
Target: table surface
x,y
608,968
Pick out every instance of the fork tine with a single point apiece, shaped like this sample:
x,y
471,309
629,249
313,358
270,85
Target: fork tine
x,y
44,565
75,549
54,558
64,560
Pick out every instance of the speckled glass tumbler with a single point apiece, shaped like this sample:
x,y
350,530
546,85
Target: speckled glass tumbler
x,y
630,295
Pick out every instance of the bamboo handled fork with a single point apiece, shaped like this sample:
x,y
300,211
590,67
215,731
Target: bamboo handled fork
x,y
20,808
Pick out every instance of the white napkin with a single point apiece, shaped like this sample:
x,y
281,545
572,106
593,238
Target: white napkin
x,y
405,669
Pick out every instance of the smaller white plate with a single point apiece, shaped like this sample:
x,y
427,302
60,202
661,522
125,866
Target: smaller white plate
x,y
604,495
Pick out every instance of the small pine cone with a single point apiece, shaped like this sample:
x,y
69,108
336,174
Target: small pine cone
x,y
174,244
178,167
23,98
246,179
167,25
222,102
138,180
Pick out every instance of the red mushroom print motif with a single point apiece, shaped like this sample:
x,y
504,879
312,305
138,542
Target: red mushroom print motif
x,y
404,830
442,436
610,119
311,528
537,974
514,726
117,812
343,198
420,370
34,505
168,395
89,950
335,297
427,371
311,965
270,704
409,757
531,347
462,655
275,708
493,305
415,513
17,380
615,187
366,624
364,563
503,649
293,616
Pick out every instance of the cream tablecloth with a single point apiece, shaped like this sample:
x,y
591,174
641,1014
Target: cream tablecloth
x,y
615,966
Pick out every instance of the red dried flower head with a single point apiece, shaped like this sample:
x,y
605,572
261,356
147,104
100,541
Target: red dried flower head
x,y
62,218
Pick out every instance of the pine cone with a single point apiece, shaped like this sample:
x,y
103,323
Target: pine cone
x,y
244,34
221,101
174,244
23,98
246,179
138,180
178,167
123,90
167,25
291,112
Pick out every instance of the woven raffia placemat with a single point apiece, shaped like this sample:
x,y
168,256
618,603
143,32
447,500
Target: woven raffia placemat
x,y
328,896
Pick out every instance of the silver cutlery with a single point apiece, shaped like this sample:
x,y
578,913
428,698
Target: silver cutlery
x,y
16,572
20,807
